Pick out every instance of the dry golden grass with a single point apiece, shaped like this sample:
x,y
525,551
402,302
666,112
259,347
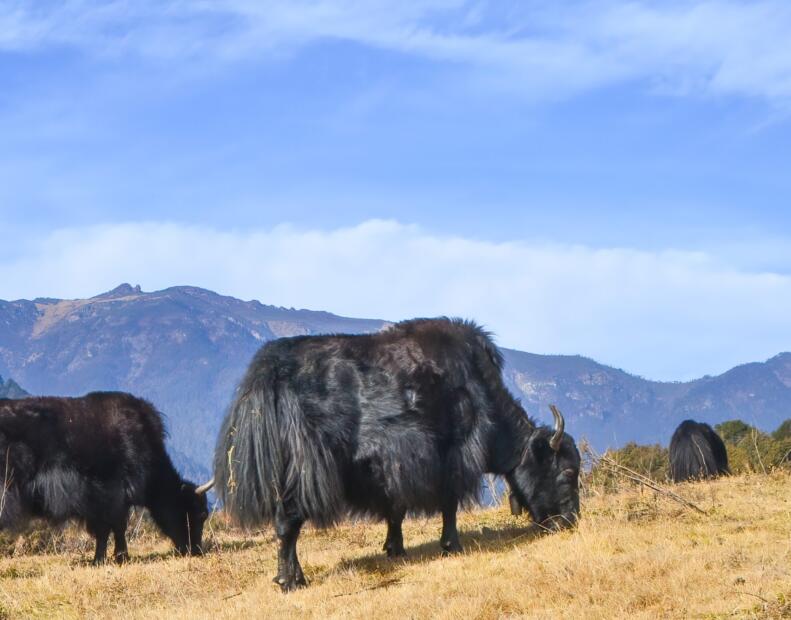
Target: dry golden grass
x,y
634,555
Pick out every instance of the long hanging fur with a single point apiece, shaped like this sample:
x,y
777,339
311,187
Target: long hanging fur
x,y
90,459
267,452
336,424
696,452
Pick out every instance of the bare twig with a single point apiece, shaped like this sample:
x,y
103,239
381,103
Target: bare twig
x,y
754,433
137,527
641,479
6,480
209,521
767,601
702,471
382,584
491,481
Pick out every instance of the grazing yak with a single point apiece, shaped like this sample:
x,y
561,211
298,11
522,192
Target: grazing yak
x,y
696,452
402,421
91,459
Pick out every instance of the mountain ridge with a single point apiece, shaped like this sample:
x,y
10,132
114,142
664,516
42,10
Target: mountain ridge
x,y
185,349
612,406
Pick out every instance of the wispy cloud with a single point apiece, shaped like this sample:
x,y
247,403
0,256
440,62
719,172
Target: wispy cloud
x,y
668,314
713,47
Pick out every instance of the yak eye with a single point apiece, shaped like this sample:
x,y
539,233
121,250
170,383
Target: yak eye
x,y
569,473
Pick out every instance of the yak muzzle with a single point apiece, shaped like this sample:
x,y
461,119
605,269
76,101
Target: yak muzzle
x,y
560,522
186,550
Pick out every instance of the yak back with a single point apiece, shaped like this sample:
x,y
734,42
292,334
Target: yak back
x,y
62,451
363,423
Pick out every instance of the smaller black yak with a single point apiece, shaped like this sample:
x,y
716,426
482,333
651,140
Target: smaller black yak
x,y
696,452
404,420
91,459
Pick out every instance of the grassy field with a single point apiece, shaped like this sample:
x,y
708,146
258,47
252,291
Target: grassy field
x,y
635,554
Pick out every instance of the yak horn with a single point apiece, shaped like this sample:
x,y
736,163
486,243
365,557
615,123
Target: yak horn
x,y
560,424
204,488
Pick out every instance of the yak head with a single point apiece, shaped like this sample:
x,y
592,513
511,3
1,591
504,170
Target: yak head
x,y
546,480
184,524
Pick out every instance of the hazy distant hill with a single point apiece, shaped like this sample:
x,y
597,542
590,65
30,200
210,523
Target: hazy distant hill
x,y
185,349
10,389
611,407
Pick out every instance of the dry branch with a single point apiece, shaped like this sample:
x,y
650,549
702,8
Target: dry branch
x,y
6,480
491,482
634,476
383,584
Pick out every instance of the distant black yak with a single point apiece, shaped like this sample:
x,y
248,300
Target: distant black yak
x,y
405,420
696,452
90,459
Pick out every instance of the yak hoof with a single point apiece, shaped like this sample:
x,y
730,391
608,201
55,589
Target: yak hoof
x,y
451,547
290,583
395,552
121,558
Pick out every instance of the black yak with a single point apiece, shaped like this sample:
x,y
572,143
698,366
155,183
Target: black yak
x,y
404,420
696,452
91,459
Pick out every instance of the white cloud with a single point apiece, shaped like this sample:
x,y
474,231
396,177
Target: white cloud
x,y
669,314
704,47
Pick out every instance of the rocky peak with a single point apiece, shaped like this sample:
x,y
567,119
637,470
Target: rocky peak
x,y
122,290
10,389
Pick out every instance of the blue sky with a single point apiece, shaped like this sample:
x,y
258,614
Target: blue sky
x,y
604,177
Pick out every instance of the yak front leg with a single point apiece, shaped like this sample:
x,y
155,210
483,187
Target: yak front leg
x,y
449,541
289,572
394,543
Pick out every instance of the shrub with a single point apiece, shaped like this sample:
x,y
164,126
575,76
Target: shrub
x,y
783,431
752,450
749,451
651,461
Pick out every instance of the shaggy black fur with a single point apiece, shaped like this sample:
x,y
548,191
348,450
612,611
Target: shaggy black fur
x,y
91,458
697,452
405,420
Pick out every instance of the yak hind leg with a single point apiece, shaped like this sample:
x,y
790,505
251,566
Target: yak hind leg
x,y
449,540
101,532
289,572
120,553
394,543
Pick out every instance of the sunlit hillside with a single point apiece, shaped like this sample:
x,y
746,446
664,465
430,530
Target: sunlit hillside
x,y
636,553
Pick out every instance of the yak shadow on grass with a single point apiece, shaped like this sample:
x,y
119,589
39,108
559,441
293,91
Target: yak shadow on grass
x,y
235,545
210,547
134,558
152,557
484,539
213,546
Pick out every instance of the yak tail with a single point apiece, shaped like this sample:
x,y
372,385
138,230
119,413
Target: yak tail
x,y
692,458
267,454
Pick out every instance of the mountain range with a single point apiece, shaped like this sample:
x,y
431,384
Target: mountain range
x,y
185,349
